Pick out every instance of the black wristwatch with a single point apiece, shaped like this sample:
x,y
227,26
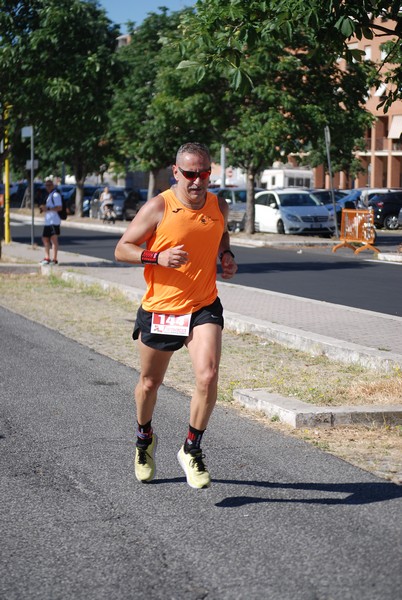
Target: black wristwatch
x,y
226,252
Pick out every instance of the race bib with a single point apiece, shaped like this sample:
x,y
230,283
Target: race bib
x,y
171,324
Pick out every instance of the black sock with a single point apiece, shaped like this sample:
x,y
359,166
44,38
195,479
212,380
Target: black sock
x,y
193,440
144,435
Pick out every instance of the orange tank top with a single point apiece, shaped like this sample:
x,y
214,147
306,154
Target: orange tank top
x,y
193,285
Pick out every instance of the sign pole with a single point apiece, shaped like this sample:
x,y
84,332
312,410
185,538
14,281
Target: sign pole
x,y
328,144
7,231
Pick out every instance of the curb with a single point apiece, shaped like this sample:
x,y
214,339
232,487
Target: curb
x,y
315,344
299,414
13,268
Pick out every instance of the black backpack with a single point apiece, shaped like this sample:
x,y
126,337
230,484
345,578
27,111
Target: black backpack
x,y
63,212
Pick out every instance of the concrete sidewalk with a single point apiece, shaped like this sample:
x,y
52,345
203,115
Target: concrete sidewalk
x,y
349,335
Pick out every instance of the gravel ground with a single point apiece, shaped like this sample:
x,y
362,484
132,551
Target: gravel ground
x,y
103,321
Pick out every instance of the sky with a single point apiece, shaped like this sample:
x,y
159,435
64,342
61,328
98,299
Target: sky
x,y
121,11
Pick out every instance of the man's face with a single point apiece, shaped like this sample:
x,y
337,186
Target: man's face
x,y
49,186
192,176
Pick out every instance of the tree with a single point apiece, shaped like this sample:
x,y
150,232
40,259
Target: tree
x,y
237,28
62,55
294,94
157,107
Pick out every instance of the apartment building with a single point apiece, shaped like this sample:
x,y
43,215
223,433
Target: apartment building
x,y
382,157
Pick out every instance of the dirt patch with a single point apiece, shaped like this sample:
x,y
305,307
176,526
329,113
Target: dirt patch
x,y
103,321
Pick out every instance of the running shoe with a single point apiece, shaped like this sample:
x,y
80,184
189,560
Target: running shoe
x,y
45,261
144,461
193,465
54,262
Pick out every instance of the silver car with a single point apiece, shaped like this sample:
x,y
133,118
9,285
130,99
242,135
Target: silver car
x,y
236,197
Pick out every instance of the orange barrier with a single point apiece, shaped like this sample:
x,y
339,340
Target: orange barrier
x,y
357,227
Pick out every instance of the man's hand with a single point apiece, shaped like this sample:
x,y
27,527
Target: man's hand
x,y
229,266
173,257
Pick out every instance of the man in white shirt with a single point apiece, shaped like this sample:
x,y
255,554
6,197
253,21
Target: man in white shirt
x,y
51,230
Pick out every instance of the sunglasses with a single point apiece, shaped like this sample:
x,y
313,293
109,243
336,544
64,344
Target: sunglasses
x,y
191,175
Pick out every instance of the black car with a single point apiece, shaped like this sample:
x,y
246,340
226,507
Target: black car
x,y
132,204
386,209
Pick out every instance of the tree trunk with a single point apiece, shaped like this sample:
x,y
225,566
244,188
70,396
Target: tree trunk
x,y
80,174
250,211
152,183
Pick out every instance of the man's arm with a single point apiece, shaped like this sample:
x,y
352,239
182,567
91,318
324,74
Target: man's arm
x,y
129,248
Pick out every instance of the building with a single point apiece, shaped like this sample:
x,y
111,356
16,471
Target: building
x,y
382,157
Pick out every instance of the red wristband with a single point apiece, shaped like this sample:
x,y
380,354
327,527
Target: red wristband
x,y
149,257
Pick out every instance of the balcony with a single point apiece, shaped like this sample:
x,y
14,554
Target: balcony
x,y
381,145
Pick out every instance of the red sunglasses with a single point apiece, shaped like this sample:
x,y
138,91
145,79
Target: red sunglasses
x,y
191,175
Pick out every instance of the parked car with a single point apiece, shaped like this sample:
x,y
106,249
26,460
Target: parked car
x,y
342,201
16,193
119,198
236,197
367,193
89,191
134,201
386,208
354,196
132,204
290,211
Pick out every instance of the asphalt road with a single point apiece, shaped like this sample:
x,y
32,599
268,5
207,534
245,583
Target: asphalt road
x,y
317,273
282,520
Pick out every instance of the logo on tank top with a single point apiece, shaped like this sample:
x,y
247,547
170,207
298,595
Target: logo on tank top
x,y
176,210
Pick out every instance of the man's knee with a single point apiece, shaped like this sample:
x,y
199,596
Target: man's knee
x,y
150,383
207,379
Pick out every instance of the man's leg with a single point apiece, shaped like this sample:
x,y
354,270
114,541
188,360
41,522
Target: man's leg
x,y
55,246
204,346
153,365
46,245
153,368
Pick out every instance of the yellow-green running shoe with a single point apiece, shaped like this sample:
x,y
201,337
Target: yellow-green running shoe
x,y
144,461
193,465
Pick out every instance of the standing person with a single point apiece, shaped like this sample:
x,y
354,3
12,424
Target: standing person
x,y
185,230
51,230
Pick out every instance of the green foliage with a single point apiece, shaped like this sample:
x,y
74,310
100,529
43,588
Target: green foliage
x,y
281,87
59,58
157,105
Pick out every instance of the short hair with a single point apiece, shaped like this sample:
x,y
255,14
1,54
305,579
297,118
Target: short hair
x,y
193,148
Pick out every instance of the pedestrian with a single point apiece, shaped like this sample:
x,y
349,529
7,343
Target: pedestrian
x,y
185,231
107,206
51,230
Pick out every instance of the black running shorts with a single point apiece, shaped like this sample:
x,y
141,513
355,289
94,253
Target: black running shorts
x,y
50,230
169,343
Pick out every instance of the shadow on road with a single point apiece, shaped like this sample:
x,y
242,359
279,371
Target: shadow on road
x,y
354,493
